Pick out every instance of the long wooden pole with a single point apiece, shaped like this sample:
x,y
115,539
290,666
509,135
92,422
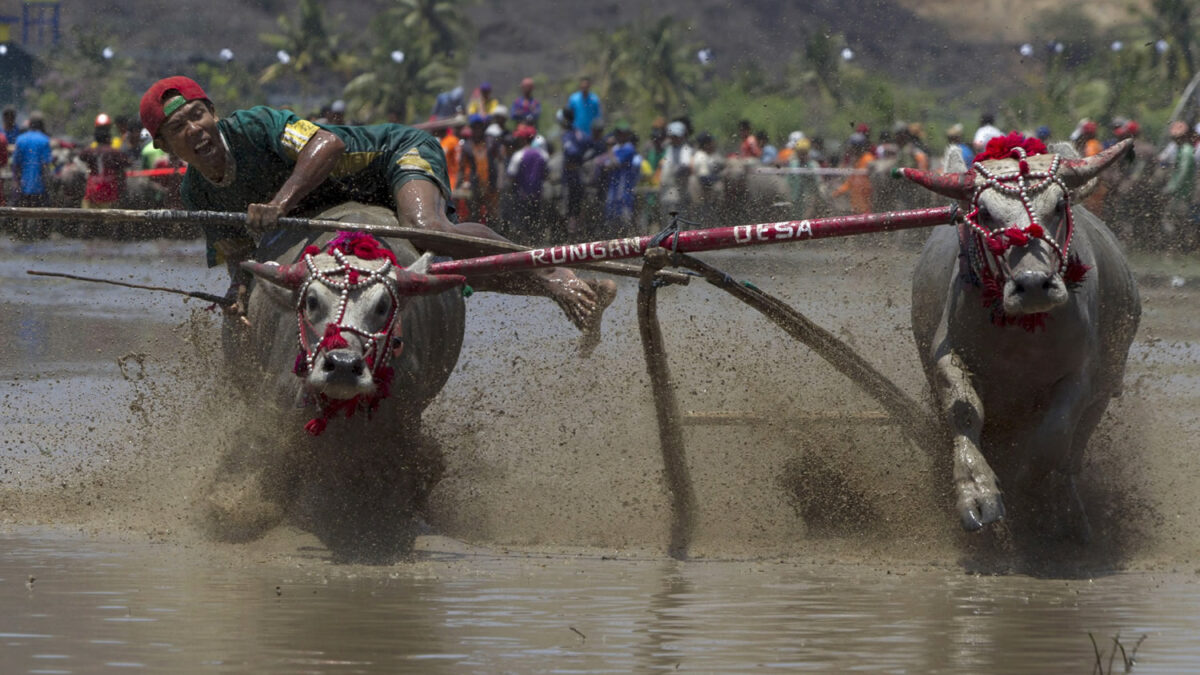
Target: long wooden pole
x,y
479,246
200,295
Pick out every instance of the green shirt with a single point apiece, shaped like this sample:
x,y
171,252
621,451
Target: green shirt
x,y
265,143
1182,180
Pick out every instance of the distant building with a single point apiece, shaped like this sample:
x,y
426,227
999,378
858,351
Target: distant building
x,y
36,26
16,72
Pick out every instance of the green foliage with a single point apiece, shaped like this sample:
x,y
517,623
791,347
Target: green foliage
x,y
77,83
313,47
822,54
432,37
642,70
818,95
1175,21
649,68
231,85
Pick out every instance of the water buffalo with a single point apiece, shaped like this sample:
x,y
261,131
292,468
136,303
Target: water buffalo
x,y
376,342
1023,316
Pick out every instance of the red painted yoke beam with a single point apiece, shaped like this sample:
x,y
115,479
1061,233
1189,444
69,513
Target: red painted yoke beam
x,y
691,241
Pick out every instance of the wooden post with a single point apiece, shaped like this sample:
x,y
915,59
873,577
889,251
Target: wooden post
x,y
666,408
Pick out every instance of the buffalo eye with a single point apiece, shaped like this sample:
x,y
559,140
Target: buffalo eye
x,y
311,303
984,217
383,306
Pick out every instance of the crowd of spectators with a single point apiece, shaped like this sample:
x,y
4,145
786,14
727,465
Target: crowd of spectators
x,y
573,174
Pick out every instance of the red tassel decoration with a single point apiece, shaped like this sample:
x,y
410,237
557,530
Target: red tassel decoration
x,y
1016,236
316,426
333,338
1075,272
300,367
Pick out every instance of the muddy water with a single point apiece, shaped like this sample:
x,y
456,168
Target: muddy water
x,y
819,548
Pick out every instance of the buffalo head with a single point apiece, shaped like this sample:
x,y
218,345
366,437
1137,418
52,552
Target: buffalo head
x,y
348,300
1018,204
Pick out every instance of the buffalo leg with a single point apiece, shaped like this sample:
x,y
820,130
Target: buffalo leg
x,y
1058,459
976,489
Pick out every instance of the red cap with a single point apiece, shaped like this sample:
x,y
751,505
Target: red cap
x,y
1088,127
151,110
103,120
525,131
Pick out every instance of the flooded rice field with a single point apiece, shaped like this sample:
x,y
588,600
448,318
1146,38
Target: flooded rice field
x,y
819,547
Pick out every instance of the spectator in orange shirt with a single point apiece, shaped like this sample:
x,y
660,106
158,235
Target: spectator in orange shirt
x,y
858,185
452,146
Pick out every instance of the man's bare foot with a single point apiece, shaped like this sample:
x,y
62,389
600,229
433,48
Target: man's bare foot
x,y
605,290
583,302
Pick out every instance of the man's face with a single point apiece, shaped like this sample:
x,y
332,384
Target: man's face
x,y
191,134
585,85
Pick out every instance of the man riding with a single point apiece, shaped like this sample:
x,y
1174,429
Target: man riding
x,y
271,163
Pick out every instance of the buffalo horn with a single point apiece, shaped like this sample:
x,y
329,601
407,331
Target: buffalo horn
x,y
954,185
287,276
1076,172
415,283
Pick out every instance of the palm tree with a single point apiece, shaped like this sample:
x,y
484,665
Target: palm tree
x,y
1174,20
823,56
608,55
668,74
311,48
642,68
437,25
421,46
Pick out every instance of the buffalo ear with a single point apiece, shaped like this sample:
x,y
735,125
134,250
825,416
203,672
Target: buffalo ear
x,y
1084,191
1067,151
283,298
421,266
1064,150
952,161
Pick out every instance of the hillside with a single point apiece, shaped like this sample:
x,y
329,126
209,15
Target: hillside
x,y
969,56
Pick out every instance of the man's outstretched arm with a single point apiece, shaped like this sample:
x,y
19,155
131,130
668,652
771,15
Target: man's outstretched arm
x,y
313,166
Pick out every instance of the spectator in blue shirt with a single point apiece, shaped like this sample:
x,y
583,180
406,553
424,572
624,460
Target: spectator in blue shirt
x,y
954,137
31,163
623,166
586,106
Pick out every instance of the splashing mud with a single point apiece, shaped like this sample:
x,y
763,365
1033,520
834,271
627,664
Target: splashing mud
x,y
115,419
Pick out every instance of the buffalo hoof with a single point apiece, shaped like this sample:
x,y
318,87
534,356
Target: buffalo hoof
x,y
238,512
979,507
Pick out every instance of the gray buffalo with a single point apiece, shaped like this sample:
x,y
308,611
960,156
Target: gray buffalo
x,y
1023,316
347,348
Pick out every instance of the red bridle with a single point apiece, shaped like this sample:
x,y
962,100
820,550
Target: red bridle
x,y
984,249
378,346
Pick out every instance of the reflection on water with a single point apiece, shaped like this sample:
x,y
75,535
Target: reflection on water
x,y
97,606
